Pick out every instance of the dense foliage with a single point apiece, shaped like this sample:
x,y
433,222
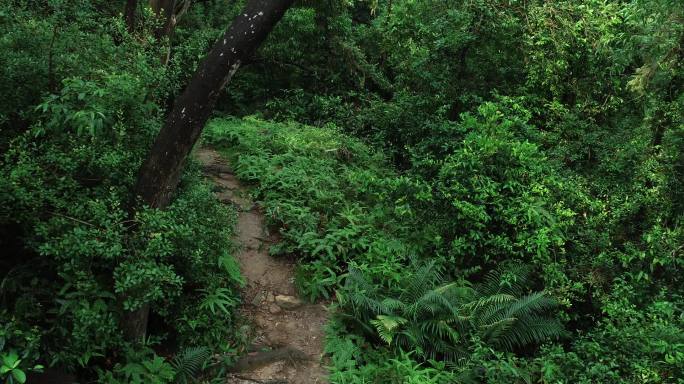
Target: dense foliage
x,y
75,256
486,191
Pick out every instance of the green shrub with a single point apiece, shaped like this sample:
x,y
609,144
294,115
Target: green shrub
x,y
86,250
326,193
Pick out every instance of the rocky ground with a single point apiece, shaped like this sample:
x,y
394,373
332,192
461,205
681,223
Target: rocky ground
x,y
287,334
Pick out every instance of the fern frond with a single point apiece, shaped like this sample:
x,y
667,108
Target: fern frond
x,y
220,300
422,280
232,268
427,305
491,311
390,305
441,329
457,292
509,279
437,320
493,332
530,330
189,363
498,299
535,302
387,325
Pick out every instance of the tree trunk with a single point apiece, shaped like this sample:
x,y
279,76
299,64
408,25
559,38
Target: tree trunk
x,y
164,9
129,14
170,12
161,171
134,324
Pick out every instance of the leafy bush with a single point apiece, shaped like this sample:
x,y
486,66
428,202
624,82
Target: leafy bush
x,y
493,195
546,135
85,252
326,193
601,356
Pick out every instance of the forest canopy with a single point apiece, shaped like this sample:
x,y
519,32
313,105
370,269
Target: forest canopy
x,y
480,191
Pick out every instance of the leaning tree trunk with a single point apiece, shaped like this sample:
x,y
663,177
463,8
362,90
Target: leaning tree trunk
x,y
160,173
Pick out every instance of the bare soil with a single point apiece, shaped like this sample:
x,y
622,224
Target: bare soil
x,y
287,334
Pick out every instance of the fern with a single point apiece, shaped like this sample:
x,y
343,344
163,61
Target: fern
x,y
510,279
231,266
386,326
189,363
439,320
219,300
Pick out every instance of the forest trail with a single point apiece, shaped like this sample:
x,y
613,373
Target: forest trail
x,y
290,331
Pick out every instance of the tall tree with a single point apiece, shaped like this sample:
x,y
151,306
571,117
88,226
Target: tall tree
x,y
168,11
160,172
129,14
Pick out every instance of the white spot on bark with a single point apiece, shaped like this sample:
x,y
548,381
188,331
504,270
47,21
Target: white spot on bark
x,y
234,68
221,54
225,41
261,13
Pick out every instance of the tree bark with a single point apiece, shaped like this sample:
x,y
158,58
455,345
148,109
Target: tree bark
x,y
165,10
161,171
134,324
129,14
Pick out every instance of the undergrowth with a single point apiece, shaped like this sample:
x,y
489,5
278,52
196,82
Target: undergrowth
x,y
346,216
335,202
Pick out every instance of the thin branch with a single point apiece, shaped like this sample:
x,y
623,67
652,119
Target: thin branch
x,y
74,219
183,9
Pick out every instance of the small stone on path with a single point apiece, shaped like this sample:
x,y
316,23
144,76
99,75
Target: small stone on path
x,y
288,302
258,298
274,309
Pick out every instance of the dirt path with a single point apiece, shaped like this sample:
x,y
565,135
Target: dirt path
x,y
290,330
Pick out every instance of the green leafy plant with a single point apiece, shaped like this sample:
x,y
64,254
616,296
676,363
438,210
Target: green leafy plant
x,y
468,134
218,301
189,363
12,368
439,320
151,370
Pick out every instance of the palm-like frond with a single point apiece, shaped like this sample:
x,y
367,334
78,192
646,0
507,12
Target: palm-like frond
x,y
535,302
387,326
429,304
423,279
218,301
189,363
438,320
528,330
510,279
